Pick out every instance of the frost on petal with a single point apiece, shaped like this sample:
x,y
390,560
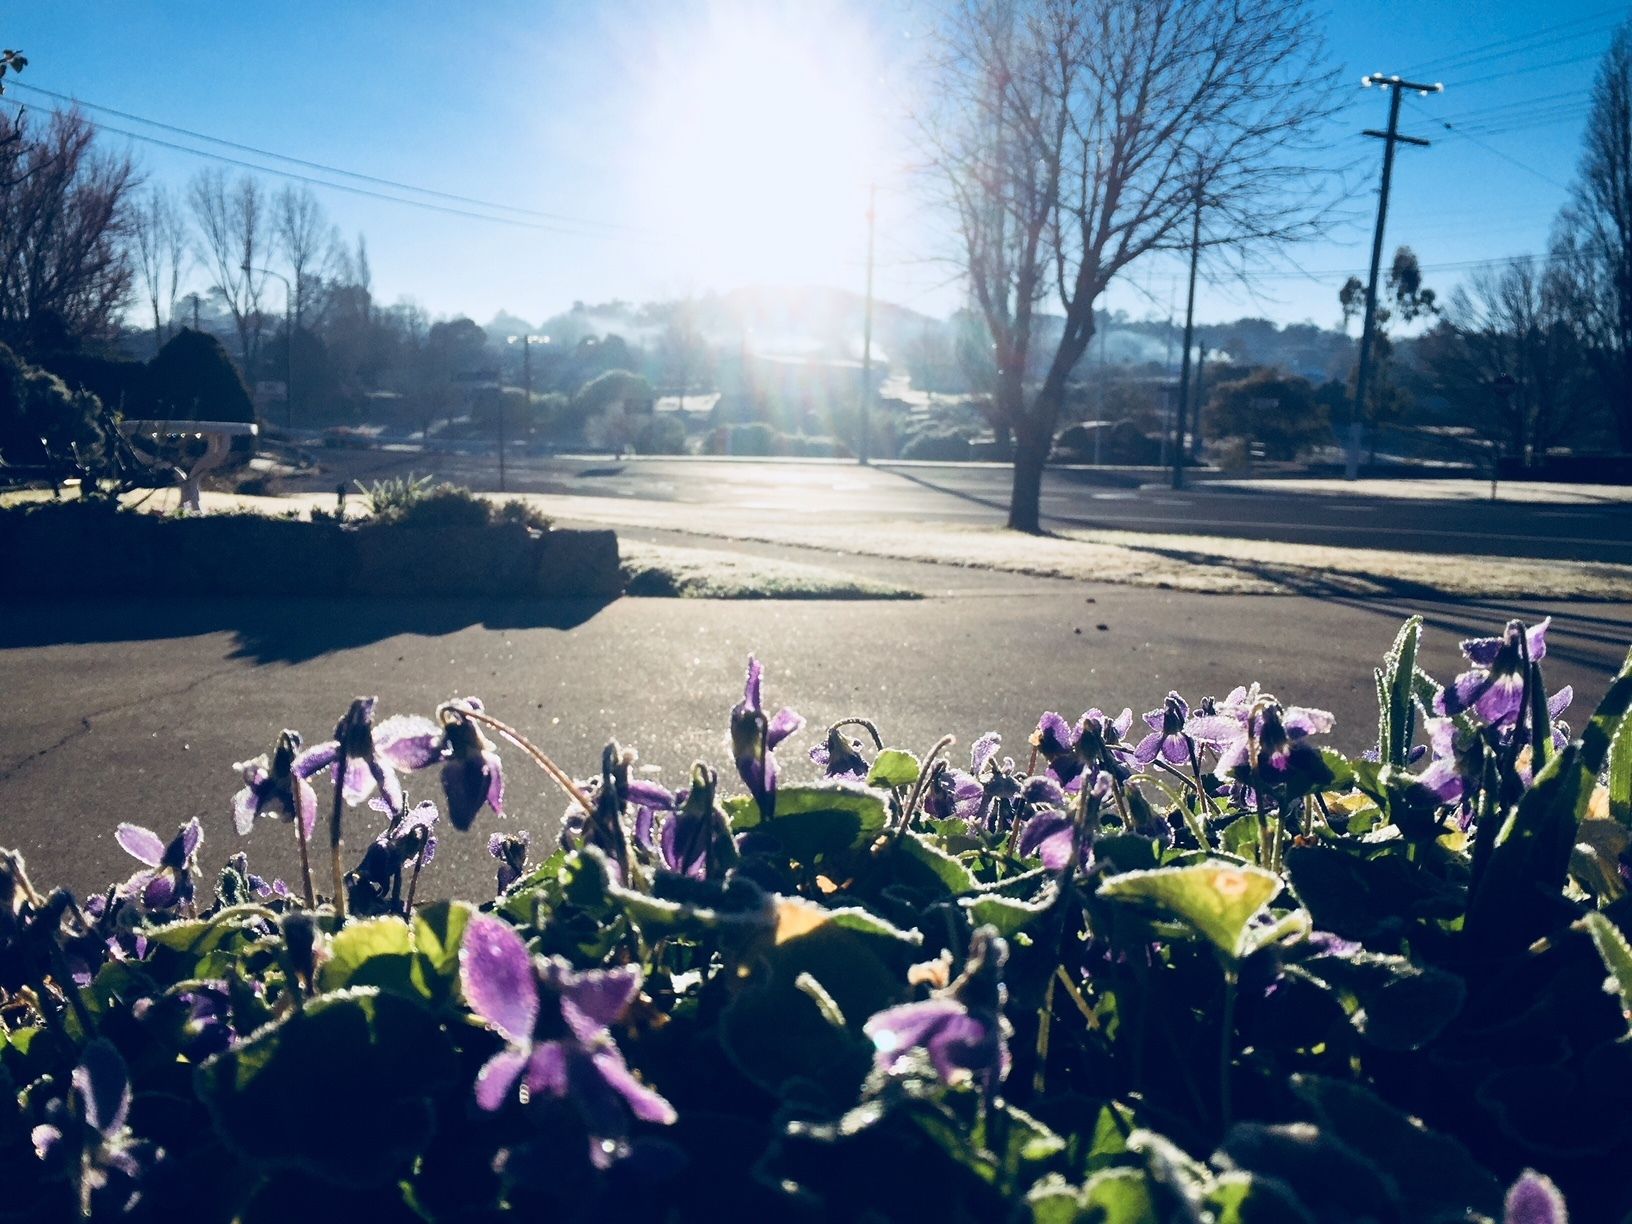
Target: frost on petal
x,y
783,724
547,1069
1214,730
982,749
594,1000
390,785
643,1102
1048,835
192,835
497,975
103,1085
495,784
648,794
751,696
143,845
1148,748
1560,701
408,741
245,804
160,891
1302,720
1053,735
359,781
308,805
1175,751
317,757
1533,1199
497,1078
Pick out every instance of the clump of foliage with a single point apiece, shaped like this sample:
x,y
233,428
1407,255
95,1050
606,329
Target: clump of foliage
x,y
41,420
1280,412
192,378
1197,968
417,501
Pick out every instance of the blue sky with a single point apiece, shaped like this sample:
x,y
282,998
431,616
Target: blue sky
x,y
688,145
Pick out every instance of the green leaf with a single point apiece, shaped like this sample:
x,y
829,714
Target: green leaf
x,y
1519,896
1399,715
892,767
1216,899
922,865
1436,1176
373,952
1620,775
439,929
1617,957
340,1089
820,820
1111,1196
1392,1002
1607,720
1009,915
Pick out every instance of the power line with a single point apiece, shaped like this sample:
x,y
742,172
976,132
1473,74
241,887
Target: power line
x,y
1493,49
1489,148
559,222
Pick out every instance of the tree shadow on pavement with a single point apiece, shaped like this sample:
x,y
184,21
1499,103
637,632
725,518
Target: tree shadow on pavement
x,y
278,630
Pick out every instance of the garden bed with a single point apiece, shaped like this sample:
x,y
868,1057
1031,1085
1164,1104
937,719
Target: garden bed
x,y
1200,967
83,548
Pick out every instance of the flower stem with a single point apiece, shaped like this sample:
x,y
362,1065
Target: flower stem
x,y
864,724
1226,1042
305,857
1045,1023
413,884
334,831
556,773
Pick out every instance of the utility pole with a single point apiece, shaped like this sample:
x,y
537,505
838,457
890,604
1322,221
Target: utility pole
x,y
1389,138
194,296
867,327
1179,450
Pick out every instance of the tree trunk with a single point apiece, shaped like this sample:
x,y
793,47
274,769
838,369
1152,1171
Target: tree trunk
x,y
1031,446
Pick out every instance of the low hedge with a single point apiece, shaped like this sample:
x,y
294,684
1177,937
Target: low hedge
x,y
1199,968
86,548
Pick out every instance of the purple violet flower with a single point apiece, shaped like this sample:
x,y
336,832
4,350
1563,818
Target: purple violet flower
x,y
472,773
754,738
1533,1199
840,756
278,785
408,840
1054,834
1250,720
555,1022
1494,687
1167,738
170,882
511,851
84,1138
696,840
961,1028
375,753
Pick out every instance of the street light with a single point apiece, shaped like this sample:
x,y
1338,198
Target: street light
x,y
288,343
527,386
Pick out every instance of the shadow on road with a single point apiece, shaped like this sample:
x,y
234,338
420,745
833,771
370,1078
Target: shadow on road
x,y
281,631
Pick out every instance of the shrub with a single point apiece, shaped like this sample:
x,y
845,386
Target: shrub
x,y
1280,412
1119,442
193,379
40,418
937,445
1205,970
660,435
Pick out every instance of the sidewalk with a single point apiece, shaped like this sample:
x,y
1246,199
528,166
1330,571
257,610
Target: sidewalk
x,y
1527,491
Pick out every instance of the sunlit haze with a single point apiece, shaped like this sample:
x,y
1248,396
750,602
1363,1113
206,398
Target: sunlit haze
x,y
643,151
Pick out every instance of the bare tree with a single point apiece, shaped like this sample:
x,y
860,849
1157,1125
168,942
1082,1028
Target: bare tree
x,y
1076,136
64,270
232,230
158,237
1516,359
306,239
1595,239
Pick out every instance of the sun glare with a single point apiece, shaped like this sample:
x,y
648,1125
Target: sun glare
x,y
764,131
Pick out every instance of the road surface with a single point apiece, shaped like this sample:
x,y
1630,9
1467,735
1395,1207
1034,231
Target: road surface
x,y
1072,498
